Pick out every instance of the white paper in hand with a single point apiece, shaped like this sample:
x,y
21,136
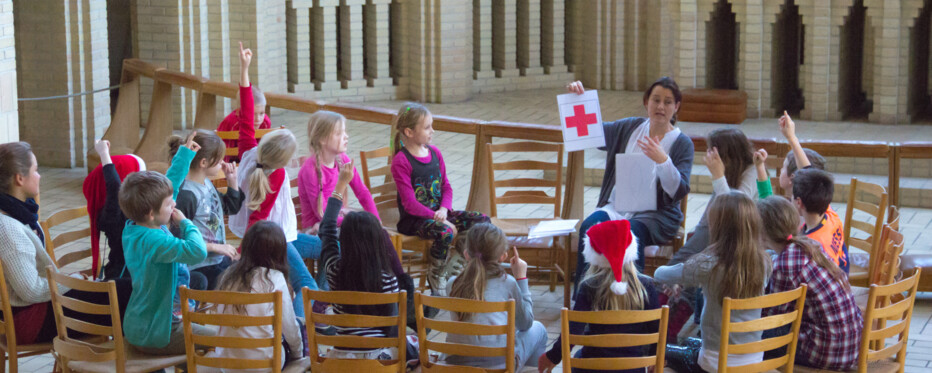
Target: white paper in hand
x,y
581,120
635,183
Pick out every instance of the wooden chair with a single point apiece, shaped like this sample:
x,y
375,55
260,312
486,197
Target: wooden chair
x,y
12,350
234,135
549,255
206,316
859,275
613,340
789,340
463,327
874,354
111,353
888,264
51,243
328,364
776,163
659,255
413,249
893,217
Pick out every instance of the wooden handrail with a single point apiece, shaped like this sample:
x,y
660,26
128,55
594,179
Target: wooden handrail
x,y
125,124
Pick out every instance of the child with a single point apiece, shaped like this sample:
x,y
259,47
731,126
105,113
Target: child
x,y
267,194
612,283
812,194
153,256
798,158
484,279
734,265
425,198
764,188
731,162
261,269
101,189
326,133
358,261
831,326
237,117
205,205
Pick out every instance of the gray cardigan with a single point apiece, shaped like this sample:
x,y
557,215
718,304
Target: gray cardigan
x,y
24,261
663,222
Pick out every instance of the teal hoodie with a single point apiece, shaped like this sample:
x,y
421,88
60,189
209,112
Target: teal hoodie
x,y
152,257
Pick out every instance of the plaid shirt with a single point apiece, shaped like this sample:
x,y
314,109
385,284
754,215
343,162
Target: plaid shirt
x,y
831,326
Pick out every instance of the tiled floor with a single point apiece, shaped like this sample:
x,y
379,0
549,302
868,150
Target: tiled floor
x,y
62,187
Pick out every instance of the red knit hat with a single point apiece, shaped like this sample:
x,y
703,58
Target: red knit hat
x,y
610,244
95,191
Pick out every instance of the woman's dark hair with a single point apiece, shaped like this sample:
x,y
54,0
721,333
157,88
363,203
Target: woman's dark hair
x,y
363,259
736,152
668,83
15,160
212,147
264,249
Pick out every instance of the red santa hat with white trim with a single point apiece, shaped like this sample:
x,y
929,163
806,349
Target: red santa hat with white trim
x,y
610,244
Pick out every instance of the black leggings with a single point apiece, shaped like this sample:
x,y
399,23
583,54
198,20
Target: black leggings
x,y
49,330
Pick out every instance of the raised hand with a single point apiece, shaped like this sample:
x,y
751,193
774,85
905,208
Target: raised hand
x,y
230,172
714,162
576,87
190,144
102,147
787,127
760,156
245,58
652,149
518,265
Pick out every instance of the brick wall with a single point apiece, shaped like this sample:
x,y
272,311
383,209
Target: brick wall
x,y
9,117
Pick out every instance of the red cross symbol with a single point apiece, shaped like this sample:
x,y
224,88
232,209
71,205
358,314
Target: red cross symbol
x,y
580,120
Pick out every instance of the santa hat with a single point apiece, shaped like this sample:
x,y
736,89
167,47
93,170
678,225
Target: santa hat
x,y
95,191
611,245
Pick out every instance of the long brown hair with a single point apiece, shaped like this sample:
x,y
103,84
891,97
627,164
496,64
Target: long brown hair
x,y
264,249
735,228
605,299
408,116
781,226
485,244
736,152
212,148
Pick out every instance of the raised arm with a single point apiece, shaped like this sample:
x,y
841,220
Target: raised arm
x,y
247,134
788,128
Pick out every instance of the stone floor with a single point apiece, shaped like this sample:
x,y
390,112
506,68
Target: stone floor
x,y
62,187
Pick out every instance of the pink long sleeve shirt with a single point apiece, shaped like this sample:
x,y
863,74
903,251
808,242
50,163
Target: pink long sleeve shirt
x,y
310,189
401,172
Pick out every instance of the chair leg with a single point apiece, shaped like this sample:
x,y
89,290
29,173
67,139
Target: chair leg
x,y
3,365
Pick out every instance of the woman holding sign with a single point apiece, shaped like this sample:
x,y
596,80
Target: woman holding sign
x,y
671,152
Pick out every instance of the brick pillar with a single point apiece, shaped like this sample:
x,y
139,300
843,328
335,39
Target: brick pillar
x,y
377,43
505,37
685,48
482,39
529,32
553,39
9,116
61,49
890,62
223,63
819,73
351,56
750,17
324,44
298,39
599,46
439,49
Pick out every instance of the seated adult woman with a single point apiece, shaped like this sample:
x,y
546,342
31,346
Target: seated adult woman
x,y
671,150
23,254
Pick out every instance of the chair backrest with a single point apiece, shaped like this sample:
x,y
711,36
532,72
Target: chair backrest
x,y
888,256
78,350
614,340
233,151
315,339
385,194
62,239
765,301
858,190
881,308
775,163
206,316
466,328
296,201
531,193
893,217
6,325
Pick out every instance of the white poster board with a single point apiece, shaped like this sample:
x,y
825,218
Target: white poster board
x,y
581,120
635,183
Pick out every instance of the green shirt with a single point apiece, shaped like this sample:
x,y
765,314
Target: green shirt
x,y
764,189
152,257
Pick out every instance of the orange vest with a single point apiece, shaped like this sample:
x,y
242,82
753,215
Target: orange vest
x,y
830,233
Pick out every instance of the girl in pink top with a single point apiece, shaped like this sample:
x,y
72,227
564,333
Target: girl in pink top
x,y
327,138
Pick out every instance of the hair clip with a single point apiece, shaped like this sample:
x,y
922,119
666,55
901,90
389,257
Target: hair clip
x,y
258,165
408,109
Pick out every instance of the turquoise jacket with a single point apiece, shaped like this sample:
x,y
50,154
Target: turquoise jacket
x,y
178,170
152,257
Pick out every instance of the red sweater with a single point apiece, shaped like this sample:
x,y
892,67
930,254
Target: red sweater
x,y
232,123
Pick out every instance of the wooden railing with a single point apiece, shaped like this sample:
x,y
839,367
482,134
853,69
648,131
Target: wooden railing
x,y
124,131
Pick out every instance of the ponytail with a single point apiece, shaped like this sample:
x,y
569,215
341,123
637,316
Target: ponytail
x,y
259,187
485,244
273,152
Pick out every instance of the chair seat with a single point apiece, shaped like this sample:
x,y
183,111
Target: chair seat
x,y
135,361
295,366
860,296
879,366
923,261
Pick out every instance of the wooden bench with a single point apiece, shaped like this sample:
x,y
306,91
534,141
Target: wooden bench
x,y
713,106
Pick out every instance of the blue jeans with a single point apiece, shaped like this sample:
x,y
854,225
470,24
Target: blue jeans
x,y
638,229
305,247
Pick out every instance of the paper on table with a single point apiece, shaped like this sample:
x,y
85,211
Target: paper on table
x,y
551,228
581,120
635,183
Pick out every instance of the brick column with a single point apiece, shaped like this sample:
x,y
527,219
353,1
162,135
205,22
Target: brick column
x,y
529,35
482,39
439,52
300,53
9,115
553,37
351,44
61,49
505,37
685,48
819,74
749,15
324,44
377,43
890,62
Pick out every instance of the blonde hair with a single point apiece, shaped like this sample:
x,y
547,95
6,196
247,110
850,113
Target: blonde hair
x,y
485,244
274,151
604,299
408,116
321,125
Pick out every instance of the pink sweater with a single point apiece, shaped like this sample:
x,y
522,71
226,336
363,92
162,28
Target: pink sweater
x,y
309,189
401,173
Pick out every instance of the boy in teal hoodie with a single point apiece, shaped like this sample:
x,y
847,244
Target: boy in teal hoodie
x,y
153,257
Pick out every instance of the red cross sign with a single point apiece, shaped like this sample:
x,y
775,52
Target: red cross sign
x,y
580,120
